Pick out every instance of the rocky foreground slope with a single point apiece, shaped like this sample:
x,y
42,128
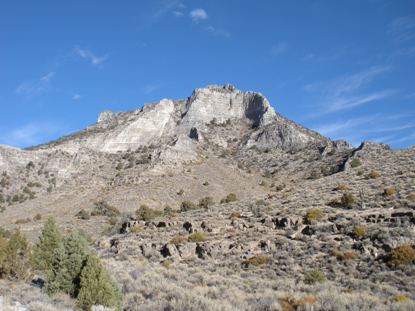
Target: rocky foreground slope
x,y
241,209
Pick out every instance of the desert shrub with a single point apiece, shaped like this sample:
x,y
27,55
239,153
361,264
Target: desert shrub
x,y
411,197
37,217
403,254
96,287
231,197
22,221
341,186
359,231
166,263
196,237
399,298
235,214
206,202
178,239
347,200
187,206
347,255
355,163
291,303
373,174
389,191
145,213
256,260
49,240
314,276
3,246
4,233
102,208
83,214
15,257
313,215
135,229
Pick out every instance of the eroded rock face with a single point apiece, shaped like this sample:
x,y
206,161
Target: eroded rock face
x,y
165,121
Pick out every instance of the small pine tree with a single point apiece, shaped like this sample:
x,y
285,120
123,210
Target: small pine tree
x,y
58,277
67,263
49,240
97,287
76,249
3,246
15,259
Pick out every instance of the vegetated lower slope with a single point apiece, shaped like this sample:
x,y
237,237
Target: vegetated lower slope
x,y
225,206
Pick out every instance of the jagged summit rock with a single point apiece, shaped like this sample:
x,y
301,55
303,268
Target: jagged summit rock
x,y
167,120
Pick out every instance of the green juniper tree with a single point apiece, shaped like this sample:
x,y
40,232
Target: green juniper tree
x,y
67,263
15,257
58,277
96,287
49,240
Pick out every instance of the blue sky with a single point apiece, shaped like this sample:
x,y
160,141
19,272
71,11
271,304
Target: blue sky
x,y
344,68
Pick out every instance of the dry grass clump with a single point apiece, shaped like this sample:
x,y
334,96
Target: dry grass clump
x,y
256,260
389,191
347,255
136,228
22,221
145,213
359,231
314,276
206,202
83,214
235,214
231,197
373,175
399,298
102,208
403,254
355,163
196,237
178,239
290,303
166,263
188,206
313,215
341,186
347,199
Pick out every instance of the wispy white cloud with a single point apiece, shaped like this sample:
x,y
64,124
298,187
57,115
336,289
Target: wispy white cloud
x,y
178,13
377,127
30,134
343,126
345,92
35,87
402,139
165,7
76,97
91,57
308,57
150,88
279,48
345,102
402,29
218,32
198,15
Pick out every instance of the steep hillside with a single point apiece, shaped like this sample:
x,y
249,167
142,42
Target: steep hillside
x,y
250,211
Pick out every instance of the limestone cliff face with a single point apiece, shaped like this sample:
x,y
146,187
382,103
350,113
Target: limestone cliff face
x,y
172,120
